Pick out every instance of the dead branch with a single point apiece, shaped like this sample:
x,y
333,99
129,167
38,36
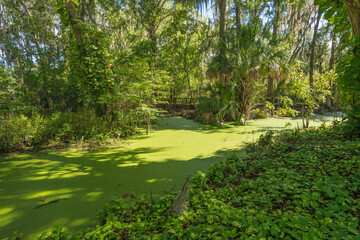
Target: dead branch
x,y
180,203
53,201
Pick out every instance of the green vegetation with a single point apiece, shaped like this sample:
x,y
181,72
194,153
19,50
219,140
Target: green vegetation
x,y
111,62
23,132
302,184
156,162
88,73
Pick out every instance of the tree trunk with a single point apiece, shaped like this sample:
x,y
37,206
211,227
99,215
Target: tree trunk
x,y
330,99
188,79
222,25
353,7
312,53
238,9
21,72
222,40
276,19
74,21
270,86
303,114
148,123
332,53
153,38
186,66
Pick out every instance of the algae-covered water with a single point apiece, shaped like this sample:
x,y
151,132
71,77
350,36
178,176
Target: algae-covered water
x,y
85,181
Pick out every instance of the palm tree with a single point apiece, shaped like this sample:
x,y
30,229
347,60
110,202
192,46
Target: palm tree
x,y
250,58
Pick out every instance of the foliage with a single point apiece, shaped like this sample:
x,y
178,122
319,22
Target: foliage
x,y
336,13
7,89
309,96
221,105
115,57
252,58
292,185
347,69
286,108
349,77
22,132
258,113
88,60
270,107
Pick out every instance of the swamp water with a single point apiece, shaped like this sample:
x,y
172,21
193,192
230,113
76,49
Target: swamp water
x,y
85,181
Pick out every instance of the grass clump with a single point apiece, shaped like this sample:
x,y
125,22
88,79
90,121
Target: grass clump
x,y
298,185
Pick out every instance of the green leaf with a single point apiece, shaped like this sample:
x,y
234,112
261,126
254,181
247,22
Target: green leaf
x,y
249,230
275,231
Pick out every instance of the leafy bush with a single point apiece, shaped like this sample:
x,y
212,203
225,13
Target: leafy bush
x,y
205,118
219,107
310,96
296,185
258,113
19,131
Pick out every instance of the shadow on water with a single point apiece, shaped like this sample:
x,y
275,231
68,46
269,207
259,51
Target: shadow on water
x,y
83,184
85,181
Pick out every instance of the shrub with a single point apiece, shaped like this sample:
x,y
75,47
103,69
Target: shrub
x,y
258,113
205,118
18,132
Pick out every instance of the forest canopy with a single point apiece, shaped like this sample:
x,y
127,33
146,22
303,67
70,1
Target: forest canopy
x,y
95,69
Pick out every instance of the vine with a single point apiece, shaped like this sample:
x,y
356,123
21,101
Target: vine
x,y
89,62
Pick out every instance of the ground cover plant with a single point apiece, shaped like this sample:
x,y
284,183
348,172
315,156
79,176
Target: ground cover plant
x,y
302,184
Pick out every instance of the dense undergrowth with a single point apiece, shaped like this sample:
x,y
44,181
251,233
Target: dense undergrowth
x,y
299,185
21,132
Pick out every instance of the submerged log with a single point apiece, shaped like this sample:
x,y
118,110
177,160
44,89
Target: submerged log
x,y
53,201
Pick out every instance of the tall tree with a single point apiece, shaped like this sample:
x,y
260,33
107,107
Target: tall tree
x,y
222,27
312,50
353,8
220,8
275,33
238,15
89,59
332,51
349,78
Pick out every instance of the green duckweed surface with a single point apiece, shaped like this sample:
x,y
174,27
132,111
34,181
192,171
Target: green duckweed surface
x,y
84,181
